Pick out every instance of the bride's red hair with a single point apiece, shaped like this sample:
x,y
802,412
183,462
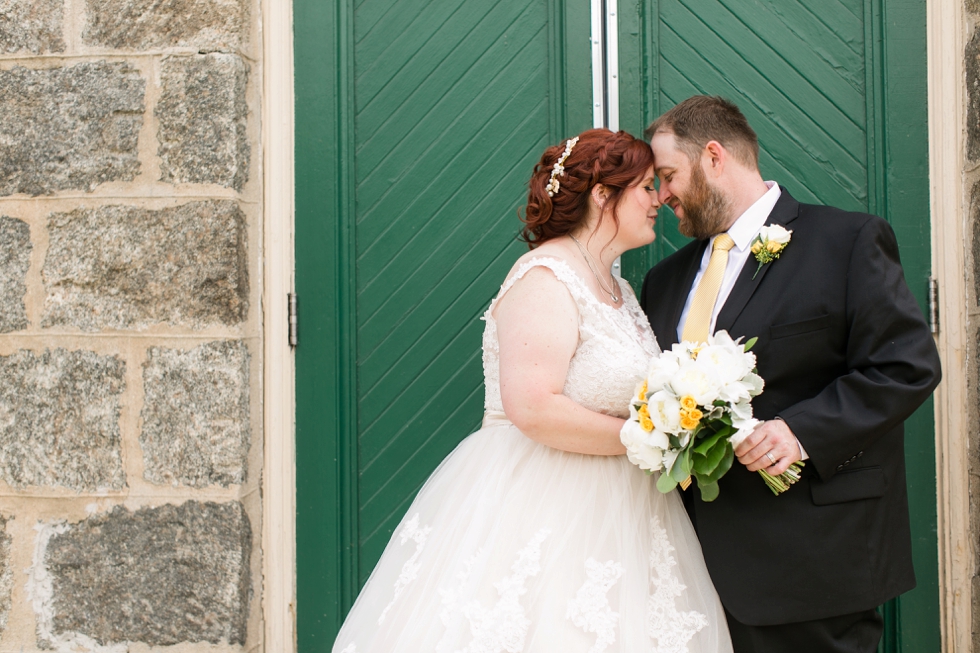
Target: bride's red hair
x,y
615,160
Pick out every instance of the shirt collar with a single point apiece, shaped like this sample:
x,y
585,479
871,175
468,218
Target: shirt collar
x,y
747,227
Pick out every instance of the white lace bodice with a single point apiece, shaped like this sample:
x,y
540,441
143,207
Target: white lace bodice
x,y
614,348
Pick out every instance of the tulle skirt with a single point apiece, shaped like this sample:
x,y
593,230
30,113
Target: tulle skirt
x,y
514,546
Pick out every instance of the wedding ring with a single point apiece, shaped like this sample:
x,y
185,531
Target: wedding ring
x,y
771,459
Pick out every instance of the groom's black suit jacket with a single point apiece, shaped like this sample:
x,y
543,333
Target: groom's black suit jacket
x,y
846,357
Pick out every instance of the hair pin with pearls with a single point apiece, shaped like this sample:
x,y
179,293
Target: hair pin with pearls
x,y
559,168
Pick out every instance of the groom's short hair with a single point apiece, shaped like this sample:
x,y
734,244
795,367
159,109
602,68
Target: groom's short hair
x,y
703,118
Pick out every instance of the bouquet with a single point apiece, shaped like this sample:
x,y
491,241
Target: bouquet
x,y
692,410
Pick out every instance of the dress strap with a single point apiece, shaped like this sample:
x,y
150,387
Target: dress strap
x,y
562,271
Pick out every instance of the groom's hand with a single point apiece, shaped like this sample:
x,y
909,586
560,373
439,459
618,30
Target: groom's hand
x,y
773,437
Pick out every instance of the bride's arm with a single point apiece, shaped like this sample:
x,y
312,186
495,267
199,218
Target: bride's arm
x,y
537,330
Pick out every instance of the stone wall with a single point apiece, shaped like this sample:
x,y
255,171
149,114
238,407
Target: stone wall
x,y
971,188
130,326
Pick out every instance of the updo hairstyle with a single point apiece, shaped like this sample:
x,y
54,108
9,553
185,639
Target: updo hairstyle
x,y
615,160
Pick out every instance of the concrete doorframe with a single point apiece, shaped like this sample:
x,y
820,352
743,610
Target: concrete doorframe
x,y
279,475
946,77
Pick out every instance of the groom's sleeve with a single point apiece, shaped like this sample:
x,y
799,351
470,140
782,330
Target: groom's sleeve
x,y
893,362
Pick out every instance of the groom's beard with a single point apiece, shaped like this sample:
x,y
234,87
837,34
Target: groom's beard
x,y
706,210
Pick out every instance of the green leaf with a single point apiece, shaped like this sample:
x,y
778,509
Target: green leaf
x,y
682,466
665,483
708,442
750,343
709,491
711,459
726,463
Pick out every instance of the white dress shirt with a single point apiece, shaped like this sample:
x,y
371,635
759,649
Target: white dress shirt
x,y
743,232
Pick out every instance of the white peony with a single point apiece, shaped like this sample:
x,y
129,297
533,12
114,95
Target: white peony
x,y
662,369
745,428
665,412
643,449
699,381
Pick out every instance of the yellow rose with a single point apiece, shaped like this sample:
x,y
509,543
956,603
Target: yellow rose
x,y
688,403
773,247
645,421
642,394
687,423
757,247
695,414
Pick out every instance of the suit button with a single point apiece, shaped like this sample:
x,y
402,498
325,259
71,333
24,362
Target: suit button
x,y
853,458
840,467
847,462
860,453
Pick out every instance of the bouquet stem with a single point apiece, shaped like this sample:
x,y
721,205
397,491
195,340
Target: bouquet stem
x,y
781,483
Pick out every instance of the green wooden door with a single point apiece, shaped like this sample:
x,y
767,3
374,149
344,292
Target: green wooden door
x,y
836,90
418,124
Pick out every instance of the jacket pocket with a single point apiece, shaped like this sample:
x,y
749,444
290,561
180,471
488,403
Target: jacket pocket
x,y
796,328
852,485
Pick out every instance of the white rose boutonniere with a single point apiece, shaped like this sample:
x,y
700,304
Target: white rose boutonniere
x,y
769,244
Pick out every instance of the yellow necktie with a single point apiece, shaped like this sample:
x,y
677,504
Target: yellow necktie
x,y
699,316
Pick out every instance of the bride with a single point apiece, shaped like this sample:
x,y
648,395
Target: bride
x,y
536,534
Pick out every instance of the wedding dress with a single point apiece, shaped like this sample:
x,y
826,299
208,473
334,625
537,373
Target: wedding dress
x,y
513,546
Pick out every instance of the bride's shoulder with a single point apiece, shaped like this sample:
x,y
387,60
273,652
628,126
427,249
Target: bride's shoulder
x,y
547,262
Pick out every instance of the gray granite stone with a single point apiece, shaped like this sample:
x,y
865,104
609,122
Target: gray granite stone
x,y
6,575
145,24
975,218
973,6
972,62
59,419
203,116
157,575
195,417
15,259
69,128
31,26
123,267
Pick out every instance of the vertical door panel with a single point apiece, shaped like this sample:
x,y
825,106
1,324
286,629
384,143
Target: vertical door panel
x,y
439,111
836,91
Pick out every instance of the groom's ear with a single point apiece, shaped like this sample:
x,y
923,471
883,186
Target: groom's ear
x,y
714,157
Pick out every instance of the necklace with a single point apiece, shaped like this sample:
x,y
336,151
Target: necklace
x,y
591,263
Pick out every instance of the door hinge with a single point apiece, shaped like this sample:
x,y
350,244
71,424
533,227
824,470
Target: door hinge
x,y
933,305
293,319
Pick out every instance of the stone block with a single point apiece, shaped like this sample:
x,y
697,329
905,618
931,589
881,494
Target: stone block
x,y
195,417
203,116
146,24
33,27
972,62
69,128
975,249
15,259
59,419
6,575
122,267
159,576
973,6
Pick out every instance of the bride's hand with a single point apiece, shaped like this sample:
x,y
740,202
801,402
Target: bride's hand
x,y
770,441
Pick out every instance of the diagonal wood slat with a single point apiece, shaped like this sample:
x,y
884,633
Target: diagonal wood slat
x,y
451,111
808,154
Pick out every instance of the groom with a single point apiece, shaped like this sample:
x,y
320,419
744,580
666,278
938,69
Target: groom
x,y
846,357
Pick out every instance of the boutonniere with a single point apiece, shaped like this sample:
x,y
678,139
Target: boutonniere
x,y
769,244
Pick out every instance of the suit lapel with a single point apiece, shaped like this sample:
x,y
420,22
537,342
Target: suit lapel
x,y
784,212
668,333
